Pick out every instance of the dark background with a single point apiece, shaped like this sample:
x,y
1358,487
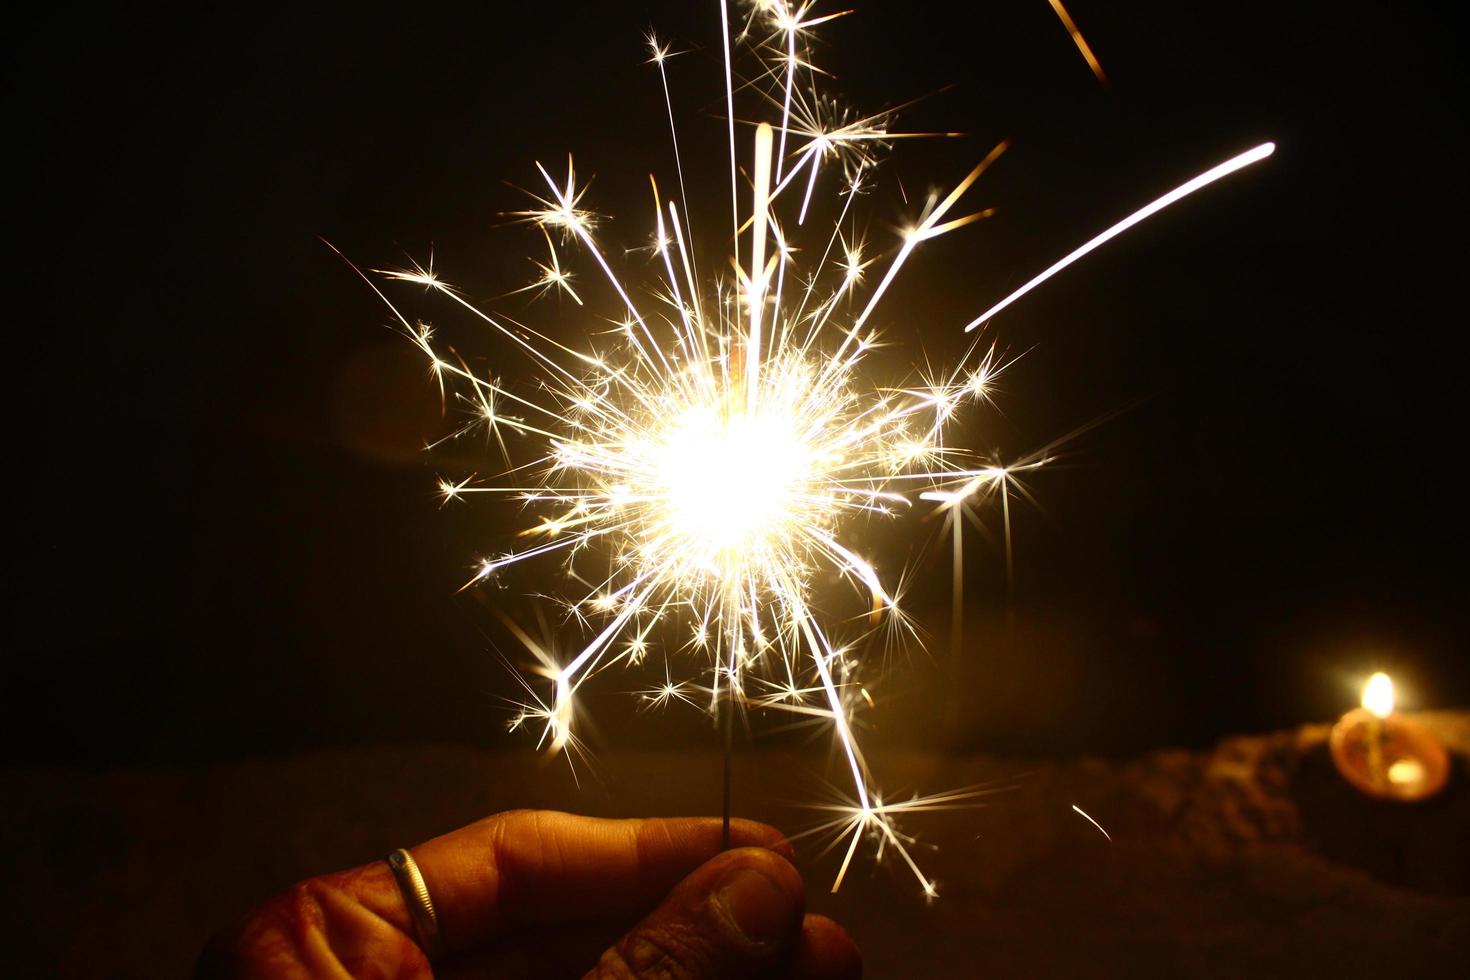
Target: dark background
x,y
240,548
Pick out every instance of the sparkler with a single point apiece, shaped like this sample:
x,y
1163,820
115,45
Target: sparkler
x,y
706,470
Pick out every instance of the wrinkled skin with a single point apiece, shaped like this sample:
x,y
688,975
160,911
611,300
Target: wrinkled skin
x,y
539,894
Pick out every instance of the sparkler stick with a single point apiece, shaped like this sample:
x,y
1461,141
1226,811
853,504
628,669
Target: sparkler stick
x,y
726,711
704,473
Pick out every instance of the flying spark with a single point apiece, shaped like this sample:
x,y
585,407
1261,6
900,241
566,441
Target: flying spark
x,y
1082,813
1083,47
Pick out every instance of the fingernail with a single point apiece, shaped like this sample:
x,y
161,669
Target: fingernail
x,y
756,906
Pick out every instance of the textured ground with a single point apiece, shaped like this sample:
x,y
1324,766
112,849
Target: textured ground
x,y
1250,859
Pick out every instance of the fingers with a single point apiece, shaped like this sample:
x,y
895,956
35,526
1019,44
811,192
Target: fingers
x,y
535,953
319,927
825,952
738,916
523,891
533,868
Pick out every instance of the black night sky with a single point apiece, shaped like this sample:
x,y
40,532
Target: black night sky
x,y
240,548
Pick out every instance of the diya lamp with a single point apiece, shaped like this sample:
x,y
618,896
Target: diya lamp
x,y
1386,755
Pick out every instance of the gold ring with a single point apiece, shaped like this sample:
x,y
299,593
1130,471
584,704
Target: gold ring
x,y
416,897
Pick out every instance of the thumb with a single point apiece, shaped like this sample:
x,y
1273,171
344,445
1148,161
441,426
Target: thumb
x,y
737,916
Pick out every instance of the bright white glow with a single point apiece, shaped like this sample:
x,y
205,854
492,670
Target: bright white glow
x,y
729,482
1378,695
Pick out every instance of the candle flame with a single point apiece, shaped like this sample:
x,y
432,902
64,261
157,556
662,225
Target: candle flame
x,y
1378,695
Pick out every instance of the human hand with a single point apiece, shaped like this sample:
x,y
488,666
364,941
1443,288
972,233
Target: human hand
x,y
533,893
